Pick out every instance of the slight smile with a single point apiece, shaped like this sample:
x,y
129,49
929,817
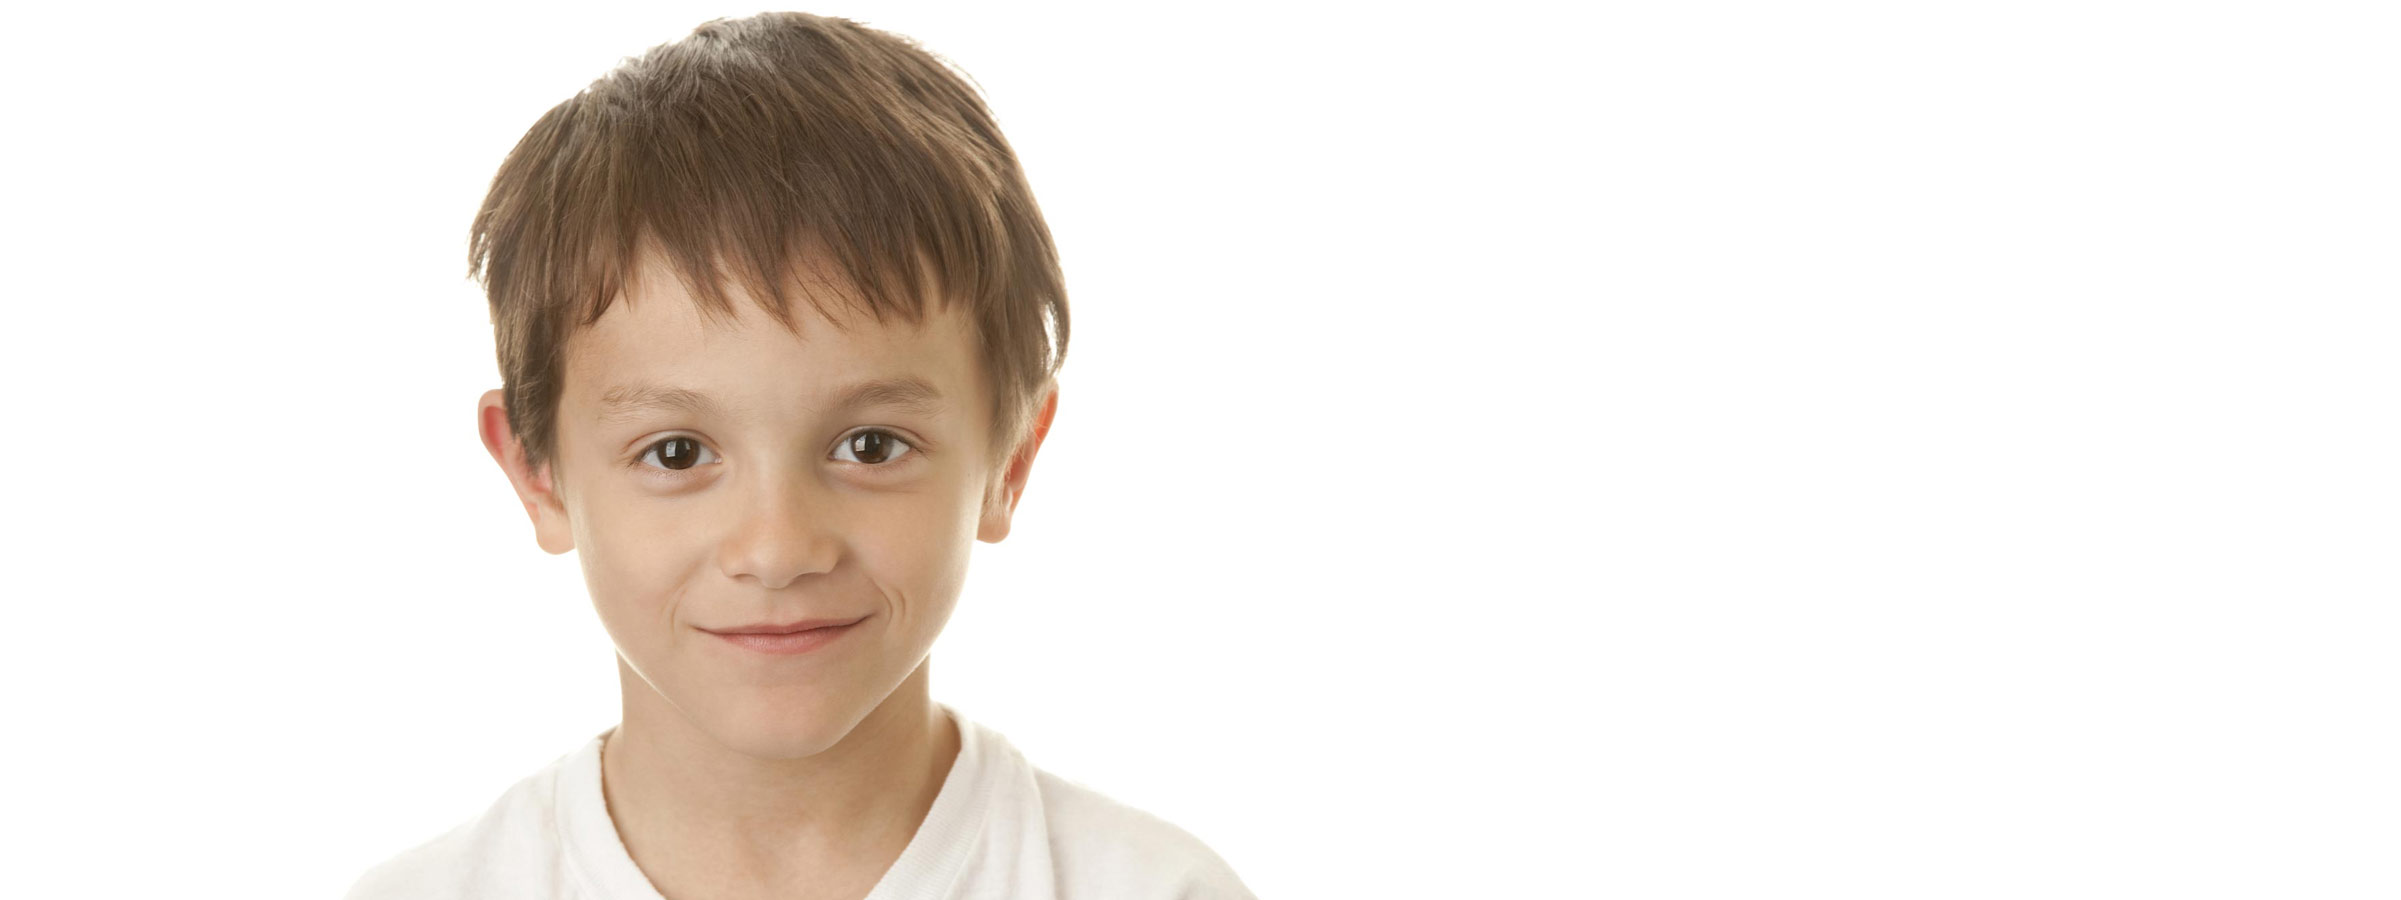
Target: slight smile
x,y
790,638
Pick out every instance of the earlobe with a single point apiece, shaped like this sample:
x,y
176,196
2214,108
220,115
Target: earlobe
x,y
535,490
1001,505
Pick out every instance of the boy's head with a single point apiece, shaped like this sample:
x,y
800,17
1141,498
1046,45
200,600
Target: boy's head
x,y
778,324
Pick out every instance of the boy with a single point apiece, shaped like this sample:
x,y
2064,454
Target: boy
x,y
778,323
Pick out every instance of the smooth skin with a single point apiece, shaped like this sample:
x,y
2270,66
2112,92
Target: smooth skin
x,y
736,774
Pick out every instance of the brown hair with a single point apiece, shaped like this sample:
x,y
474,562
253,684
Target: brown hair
x,y
744,149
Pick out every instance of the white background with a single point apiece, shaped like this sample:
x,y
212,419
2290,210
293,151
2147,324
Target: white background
x,y
1669,450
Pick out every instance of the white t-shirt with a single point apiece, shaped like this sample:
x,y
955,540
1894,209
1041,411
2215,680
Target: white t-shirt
x,y
999,828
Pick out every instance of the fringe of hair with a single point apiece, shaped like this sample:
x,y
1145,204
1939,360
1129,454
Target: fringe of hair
x,y
774,151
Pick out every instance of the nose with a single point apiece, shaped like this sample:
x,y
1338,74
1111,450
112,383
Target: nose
x,y
785,532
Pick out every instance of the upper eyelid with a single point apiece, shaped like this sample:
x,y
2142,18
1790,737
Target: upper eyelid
x,y
642,456
915,446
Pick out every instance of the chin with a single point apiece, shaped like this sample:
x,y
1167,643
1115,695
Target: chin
x,y
769,727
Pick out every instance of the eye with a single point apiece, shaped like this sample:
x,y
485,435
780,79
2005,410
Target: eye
x,y
677,454
872,448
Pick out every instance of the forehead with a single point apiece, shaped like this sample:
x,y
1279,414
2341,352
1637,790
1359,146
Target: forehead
x,y
657,334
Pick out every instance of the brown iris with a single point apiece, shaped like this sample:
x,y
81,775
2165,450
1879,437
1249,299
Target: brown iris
x,y
871,446
678,453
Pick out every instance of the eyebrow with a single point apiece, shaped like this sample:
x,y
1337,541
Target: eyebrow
x,y
907,393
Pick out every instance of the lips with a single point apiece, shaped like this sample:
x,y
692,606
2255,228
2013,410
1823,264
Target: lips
x,y
787,638
787,627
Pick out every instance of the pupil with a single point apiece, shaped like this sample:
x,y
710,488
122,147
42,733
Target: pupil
x,y
869,447
668,453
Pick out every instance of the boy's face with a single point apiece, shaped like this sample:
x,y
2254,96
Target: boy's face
x,y
775,490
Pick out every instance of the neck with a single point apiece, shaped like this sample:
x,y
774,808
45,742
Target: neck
x,y
685,804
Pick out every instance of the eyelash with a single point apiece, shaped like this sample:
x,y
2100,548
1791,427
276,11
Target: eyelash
x,y
889,434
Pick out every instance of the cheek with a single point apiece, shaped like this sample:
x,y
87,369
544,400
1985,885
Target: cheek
x,y
636,555
640,555
919,551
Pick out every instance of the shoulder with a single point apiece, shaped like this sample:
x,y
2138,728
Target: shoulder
x,y
508,850
1103,848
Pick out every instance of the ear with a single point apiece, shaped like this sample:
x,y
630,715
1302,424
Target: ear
x,y
1000,506
534,489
